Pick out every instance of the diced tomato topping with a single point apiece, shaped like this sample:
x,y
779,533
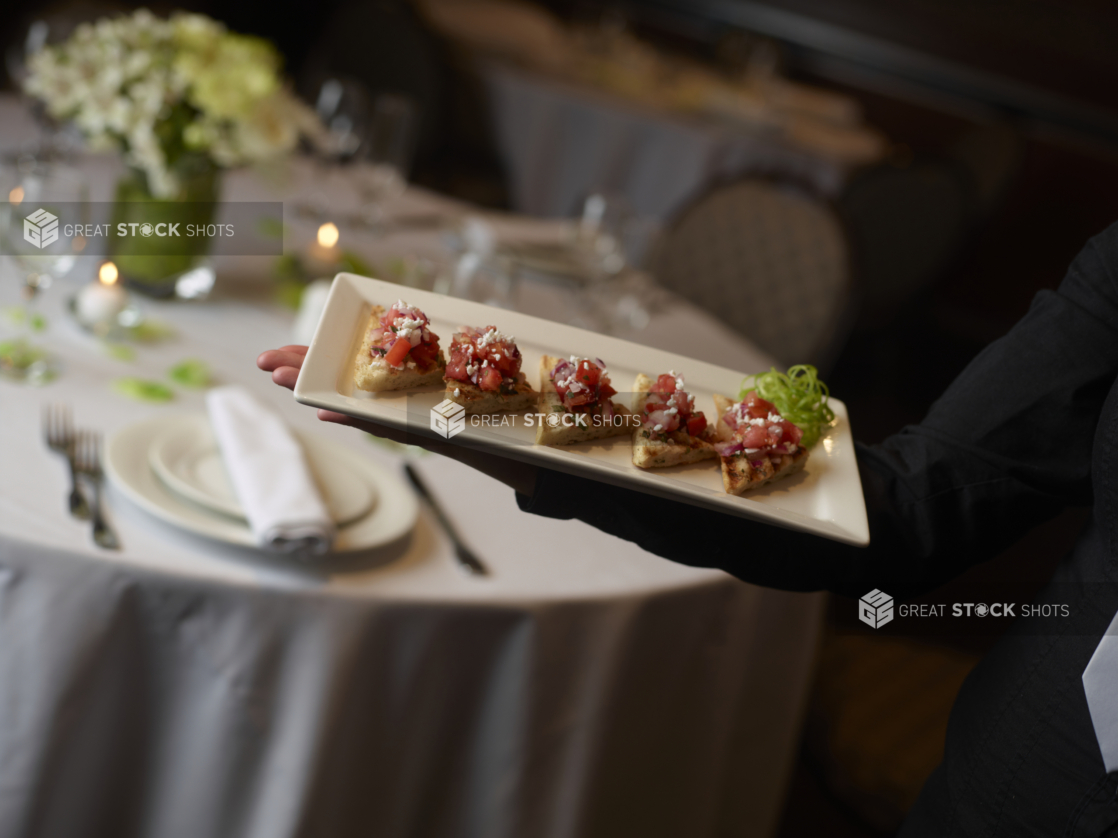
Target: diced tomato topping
x,y
752,427
456,366
757,407
490,379
398,352
476,352
585,384
404,331
665,395
425,354
665,385
792,433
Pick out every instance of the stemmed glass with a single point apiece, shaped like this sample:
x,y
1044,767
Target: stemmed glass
x,y
612,242
480,273
344,107
56,140
39,203
383,175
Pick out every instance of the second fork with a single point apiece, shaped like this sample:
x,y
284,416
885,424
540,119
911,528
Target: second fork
x,y
58,432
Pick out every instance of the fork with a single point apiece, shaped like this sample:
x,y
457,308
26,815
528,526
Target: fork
x,y
89,465
58,430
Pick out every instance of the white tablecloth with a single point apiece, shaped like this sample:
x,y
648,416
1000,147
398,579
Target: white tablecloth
x,y
184,688
560,142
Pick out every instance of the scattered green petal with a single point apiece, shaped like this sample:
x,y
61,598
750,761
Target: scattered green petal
x,y
143,391
38,322
16,314
191,373
150,331
19,355
120,351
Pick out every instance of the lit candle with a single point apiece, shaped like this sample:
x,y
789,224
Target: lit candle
x,y
323,256
100,302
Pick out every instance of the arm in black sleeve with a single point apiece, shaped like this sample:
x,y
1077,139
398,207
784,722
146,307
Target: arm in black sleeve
x,y
1005,448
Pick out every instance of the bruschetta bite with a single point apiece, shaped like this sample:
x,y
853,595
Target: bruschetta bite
x,y
755,443
575,401
671,432
399,351
483,373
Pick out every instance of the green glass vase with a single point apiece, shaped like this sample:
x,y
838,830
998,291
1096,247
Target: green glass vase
x,y
152,264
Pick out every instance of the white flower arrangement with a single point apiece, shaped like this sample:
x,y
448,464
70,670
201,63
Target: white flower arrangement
x,y
162,88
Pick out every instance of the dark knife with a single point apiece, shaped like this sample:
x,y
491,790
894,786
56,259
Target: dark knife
x,y
466,558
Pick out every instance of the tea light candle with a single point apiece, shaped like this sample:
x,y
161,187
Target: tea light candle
x,y
100,302
322,257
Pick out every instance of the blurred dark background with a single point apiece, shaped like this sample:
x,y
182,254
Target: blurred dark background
x,y
1003,124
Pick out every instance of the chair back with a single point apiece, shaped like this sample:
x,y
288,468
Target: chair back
x,y
771,261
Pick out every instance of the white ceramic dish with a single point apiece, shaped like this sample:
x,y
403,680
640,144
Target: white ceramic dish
x,y
825,498
128,470
186,457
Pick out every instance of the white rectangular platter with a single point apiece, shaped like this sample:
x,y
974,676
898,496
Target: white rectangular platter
x,y
825,498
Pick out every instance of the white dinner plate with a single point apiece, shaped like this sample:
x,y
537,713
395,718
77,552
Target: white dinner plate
x,y
825,498
127,468
187,458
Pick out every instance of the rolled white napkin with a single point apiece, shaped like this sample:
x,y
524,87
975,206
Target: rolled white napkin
x,y
270,474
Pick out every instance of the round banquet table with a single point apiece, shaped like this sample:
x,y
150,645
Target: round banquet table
x,y
183,687
561,141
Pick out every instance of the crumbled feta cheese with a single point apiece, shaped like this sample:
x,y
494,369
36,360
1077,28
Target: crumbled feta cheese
x,y
658,427
410,329
457,392
492,336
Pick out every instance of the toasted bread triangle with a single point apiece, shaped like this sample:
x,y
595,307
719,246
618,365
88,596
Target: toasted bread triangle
x,y
678,448
375,375
739,475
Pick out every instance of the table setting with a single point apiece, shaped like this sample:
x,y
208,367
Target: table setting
x,y
225,617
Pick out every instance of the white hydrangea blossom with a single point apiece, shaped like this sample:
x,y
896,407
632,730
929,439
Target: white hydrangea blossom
x,y
124,80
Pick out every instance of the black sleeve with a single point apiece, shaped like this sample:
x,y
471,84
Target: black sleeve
x,y
1005,448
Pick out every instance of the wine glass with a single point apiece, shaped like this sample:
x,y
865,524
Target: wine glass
x,y
41,205
480,272
383,174
613,242
344,107
57,140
